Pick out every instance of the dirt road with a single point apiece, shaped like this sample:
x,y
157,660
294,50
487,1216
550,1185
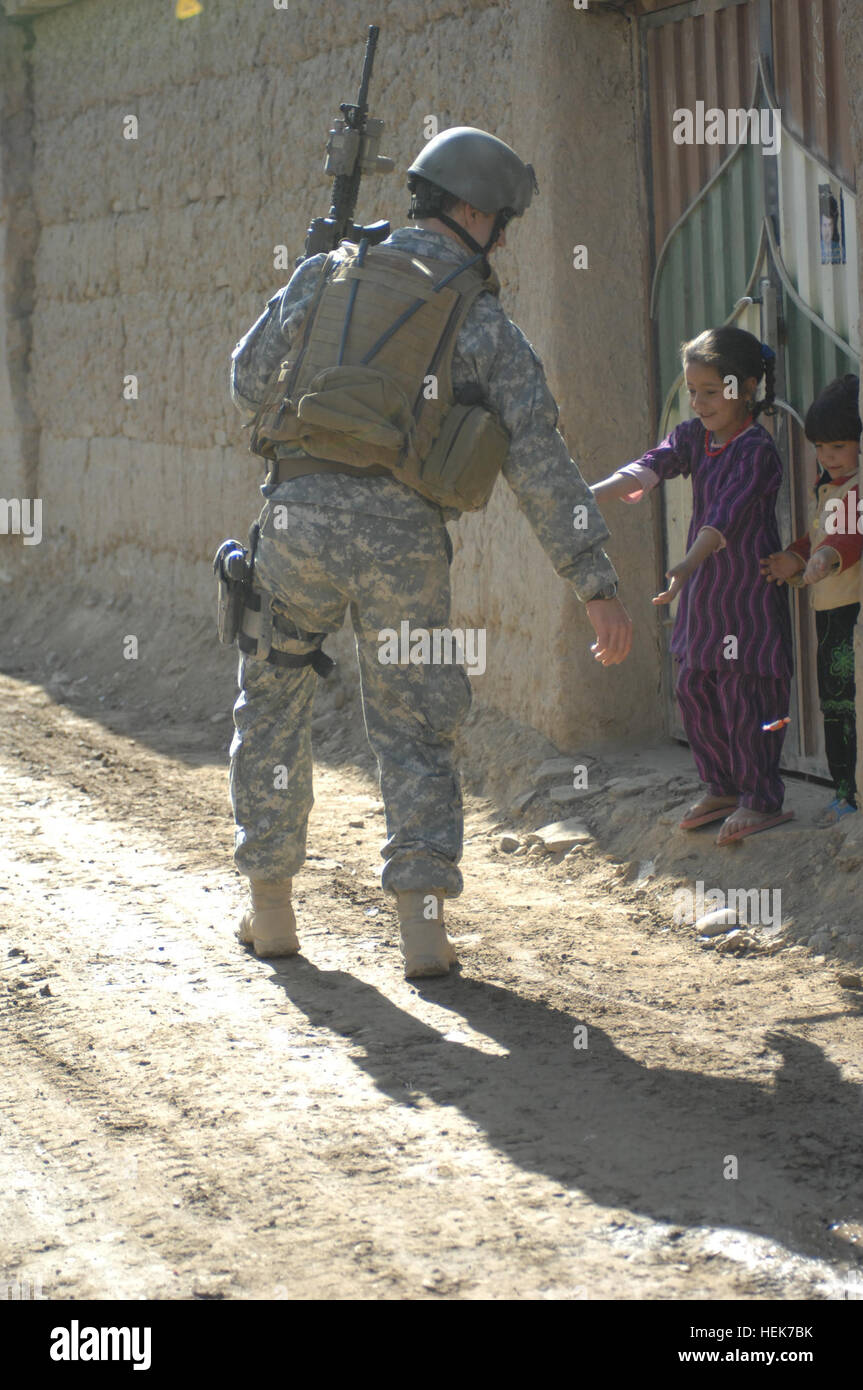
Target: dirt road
x,y
180,1119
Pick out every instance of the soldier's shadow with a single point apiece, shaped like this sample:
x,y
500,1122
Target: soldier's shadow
x,y
653,1139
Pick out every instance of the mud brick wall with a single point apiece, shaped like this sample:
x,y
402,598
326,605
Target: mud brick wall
x,y
19,237
151,257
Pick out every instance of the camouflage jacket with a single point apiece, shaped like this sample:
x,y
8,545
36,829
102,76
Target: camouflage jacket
x,y
490,352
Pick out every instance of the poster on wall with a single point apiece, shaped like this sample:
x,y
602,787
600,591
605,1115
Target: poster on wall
x,y
831,213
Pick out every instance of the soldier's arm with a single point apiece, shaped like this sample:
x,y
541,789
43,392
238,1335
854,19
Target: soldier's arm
x,y
259,352
547,483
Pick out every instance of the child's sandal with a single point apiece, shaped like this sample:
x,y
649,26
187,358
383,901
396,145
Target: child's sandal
x,y
832,814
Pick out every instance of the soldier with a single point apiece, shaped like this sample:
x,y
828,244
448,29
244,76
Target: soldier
x,y
335,534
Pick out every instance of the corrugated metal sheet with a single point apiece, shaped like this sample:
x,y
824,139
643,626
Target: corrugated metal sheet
x,y
648,6
820,304
809,76
829,290
715,239
707,263
808,743
710,58
813,361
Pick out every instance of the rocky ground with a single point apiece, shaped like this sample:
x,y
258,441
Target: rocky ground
x,y
600,1103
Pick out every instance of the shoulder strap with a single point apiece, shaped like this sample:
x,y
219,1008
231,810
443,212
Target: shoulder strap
x,y
277,390
315,300
446,345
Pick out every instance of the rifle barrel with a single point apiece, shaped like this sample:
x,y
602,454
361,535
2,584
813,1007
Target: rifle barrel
x,y
368,62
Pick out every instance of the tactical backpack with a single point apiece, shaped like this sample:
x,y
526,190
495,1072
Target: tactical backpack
x,y
368,388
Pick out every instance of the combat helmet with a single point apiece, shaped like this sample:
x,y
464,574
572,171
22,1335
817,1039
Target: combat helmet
x,y
476,167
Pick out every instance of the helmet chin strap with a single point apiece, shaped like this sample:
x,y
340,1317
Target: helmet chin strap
x,y
464,234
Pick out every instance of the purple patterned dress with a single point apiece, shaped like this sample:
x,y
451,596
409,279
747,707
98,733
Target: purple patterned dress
x,y
726,690
735,492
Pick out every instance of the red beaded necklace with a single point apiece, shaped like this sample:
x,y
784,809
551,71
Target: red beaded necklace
x,y
712,453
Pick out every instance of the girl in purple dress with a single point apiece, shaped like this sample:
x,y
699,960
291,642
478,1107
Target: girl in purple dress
x,y
732,637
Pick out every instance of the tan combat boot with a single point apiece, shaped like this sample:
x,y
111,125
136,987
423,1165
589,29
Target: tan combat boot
x,y
269,925
424,943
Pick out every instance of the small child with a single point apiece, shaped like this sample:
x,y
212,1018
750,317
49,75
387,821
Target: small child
x,y
732,636
828,559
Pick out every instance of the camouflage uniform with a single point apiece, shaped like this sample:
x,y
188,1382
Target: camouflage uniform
x,y
377,546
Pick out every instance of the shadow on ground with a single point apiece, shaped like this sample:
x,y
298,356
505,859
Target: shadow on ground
x,y
654,1140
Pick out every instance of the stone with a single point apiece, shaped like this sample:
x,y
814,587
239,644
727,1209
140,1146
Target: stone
x,y
554,767
737,940
508,843
850,981
779,943
522,801
560,835
562,795
716,923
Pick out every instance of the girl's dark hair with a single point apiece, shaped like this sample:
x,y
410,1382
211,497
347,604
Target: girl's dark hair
x,y
834,414
734,352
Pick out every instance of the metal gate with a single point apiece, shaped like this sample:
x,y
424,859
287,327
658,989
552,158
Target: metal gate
x,y
767,242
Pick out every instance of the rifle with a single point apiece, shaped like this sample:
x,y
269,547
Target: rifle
x,y
352,150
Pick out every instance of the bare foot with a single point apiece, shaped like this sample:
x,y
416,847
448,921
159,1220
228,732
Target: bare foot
x,y
708,804
741,819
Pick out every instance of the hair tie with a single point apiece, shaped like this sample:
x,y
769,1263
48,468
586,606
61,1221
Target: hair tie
x,y
767,352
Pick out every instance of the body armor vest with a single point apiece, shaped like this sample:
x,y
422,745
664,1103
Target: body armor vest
x,y
368,384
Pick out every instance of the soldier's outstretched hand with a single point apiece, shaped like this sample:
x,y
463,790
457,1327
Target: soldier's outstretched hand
x,y
613,627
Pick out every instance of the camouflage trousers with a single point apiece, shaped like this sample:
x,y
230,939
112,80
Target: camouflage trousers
x,y
316,561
